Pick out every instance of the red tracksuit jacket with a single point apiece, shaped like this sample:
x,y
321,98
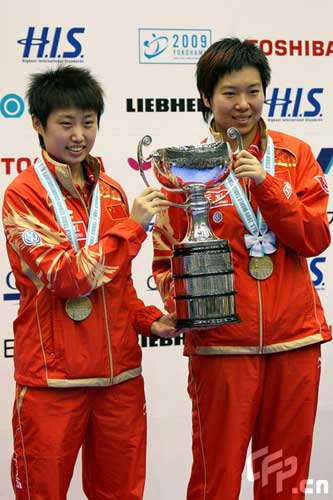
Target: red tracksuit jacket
x,y
284,311
50,348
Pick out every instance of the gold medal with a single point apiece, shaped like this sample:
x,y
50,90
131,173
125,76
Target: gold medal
x,y
261,268
78,308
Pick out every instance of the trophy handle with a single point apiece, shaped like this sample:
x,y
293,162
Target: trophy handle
x,y
145,141
234,133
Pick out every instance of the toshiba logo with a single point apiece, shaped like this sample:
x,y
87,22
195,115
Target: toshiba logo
x,y
319,48
14,165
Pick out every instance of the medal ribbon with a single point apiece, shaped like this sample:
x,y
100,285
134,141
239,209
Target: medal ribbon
x,y
261,240
63,217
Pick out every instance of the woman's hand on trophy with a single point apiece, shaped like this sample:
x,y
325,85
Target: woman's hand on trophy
x,y
165,326
150,202
246,165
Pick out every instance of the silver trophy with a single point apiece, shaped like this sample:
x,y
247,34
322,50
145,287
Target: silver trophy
x,y
201,263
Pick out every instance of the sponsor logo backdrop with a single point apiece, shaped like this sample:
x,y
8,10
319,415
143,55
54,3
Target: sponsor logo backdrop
x,y
145,55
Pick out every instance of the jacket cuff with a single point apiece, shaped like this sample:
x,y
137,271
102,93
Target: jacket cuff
x,y
265,186
129,226
170,304
131,232
143,319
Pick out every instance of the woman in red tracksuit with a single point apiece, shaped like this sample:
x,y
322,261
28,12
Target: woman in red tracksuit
x,y
257,379
70,240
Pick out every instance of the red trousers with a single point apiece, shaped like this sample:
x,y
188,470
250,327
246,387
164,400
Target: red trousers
x,y
50,426
271,399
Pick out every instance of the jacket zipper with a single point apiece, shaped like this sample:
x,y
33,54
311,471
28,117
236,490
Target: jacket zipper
x,y
261,332
108,338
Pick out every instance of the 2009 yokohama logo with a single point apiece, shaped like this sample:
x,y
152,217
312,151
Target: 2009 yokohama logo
x,y
295,47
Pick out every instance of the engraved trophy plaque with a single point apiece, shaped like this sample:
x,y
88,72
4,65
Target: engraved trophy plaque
x,y
201,263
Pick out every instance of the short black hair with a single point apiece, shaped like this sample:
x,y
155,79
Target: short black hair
x,y
223,57
63,87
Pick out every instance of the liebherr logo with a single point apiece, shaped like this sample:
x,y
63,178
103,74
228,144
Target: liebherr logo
x,y
163,105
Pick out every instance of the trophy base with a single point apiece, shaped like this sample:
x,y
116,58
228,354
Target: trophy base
x,y
211,323
206,312
203,279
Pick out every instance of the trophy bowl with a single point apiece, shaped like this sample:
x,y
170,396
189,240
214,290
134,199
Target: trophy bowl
x,y
178,167
201,263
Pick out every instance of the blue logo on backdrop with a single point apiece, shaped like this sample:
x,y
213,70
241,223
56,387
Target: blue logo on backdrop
x,y
151,285
13,293
11,106
155,46
325,159
330,216
316,265
172,46
294,105
149,228
52,44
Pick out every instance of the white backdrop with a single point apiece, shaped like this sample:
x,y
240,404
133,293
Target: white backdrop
x,y
144,53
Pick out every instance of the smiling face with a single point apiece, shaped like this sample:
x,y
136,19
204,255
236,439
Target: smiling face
x,y
69,135
238,101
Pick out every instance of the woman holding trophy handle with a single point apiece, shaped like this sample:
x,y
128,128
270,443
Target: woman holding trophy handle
x,y
256,380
